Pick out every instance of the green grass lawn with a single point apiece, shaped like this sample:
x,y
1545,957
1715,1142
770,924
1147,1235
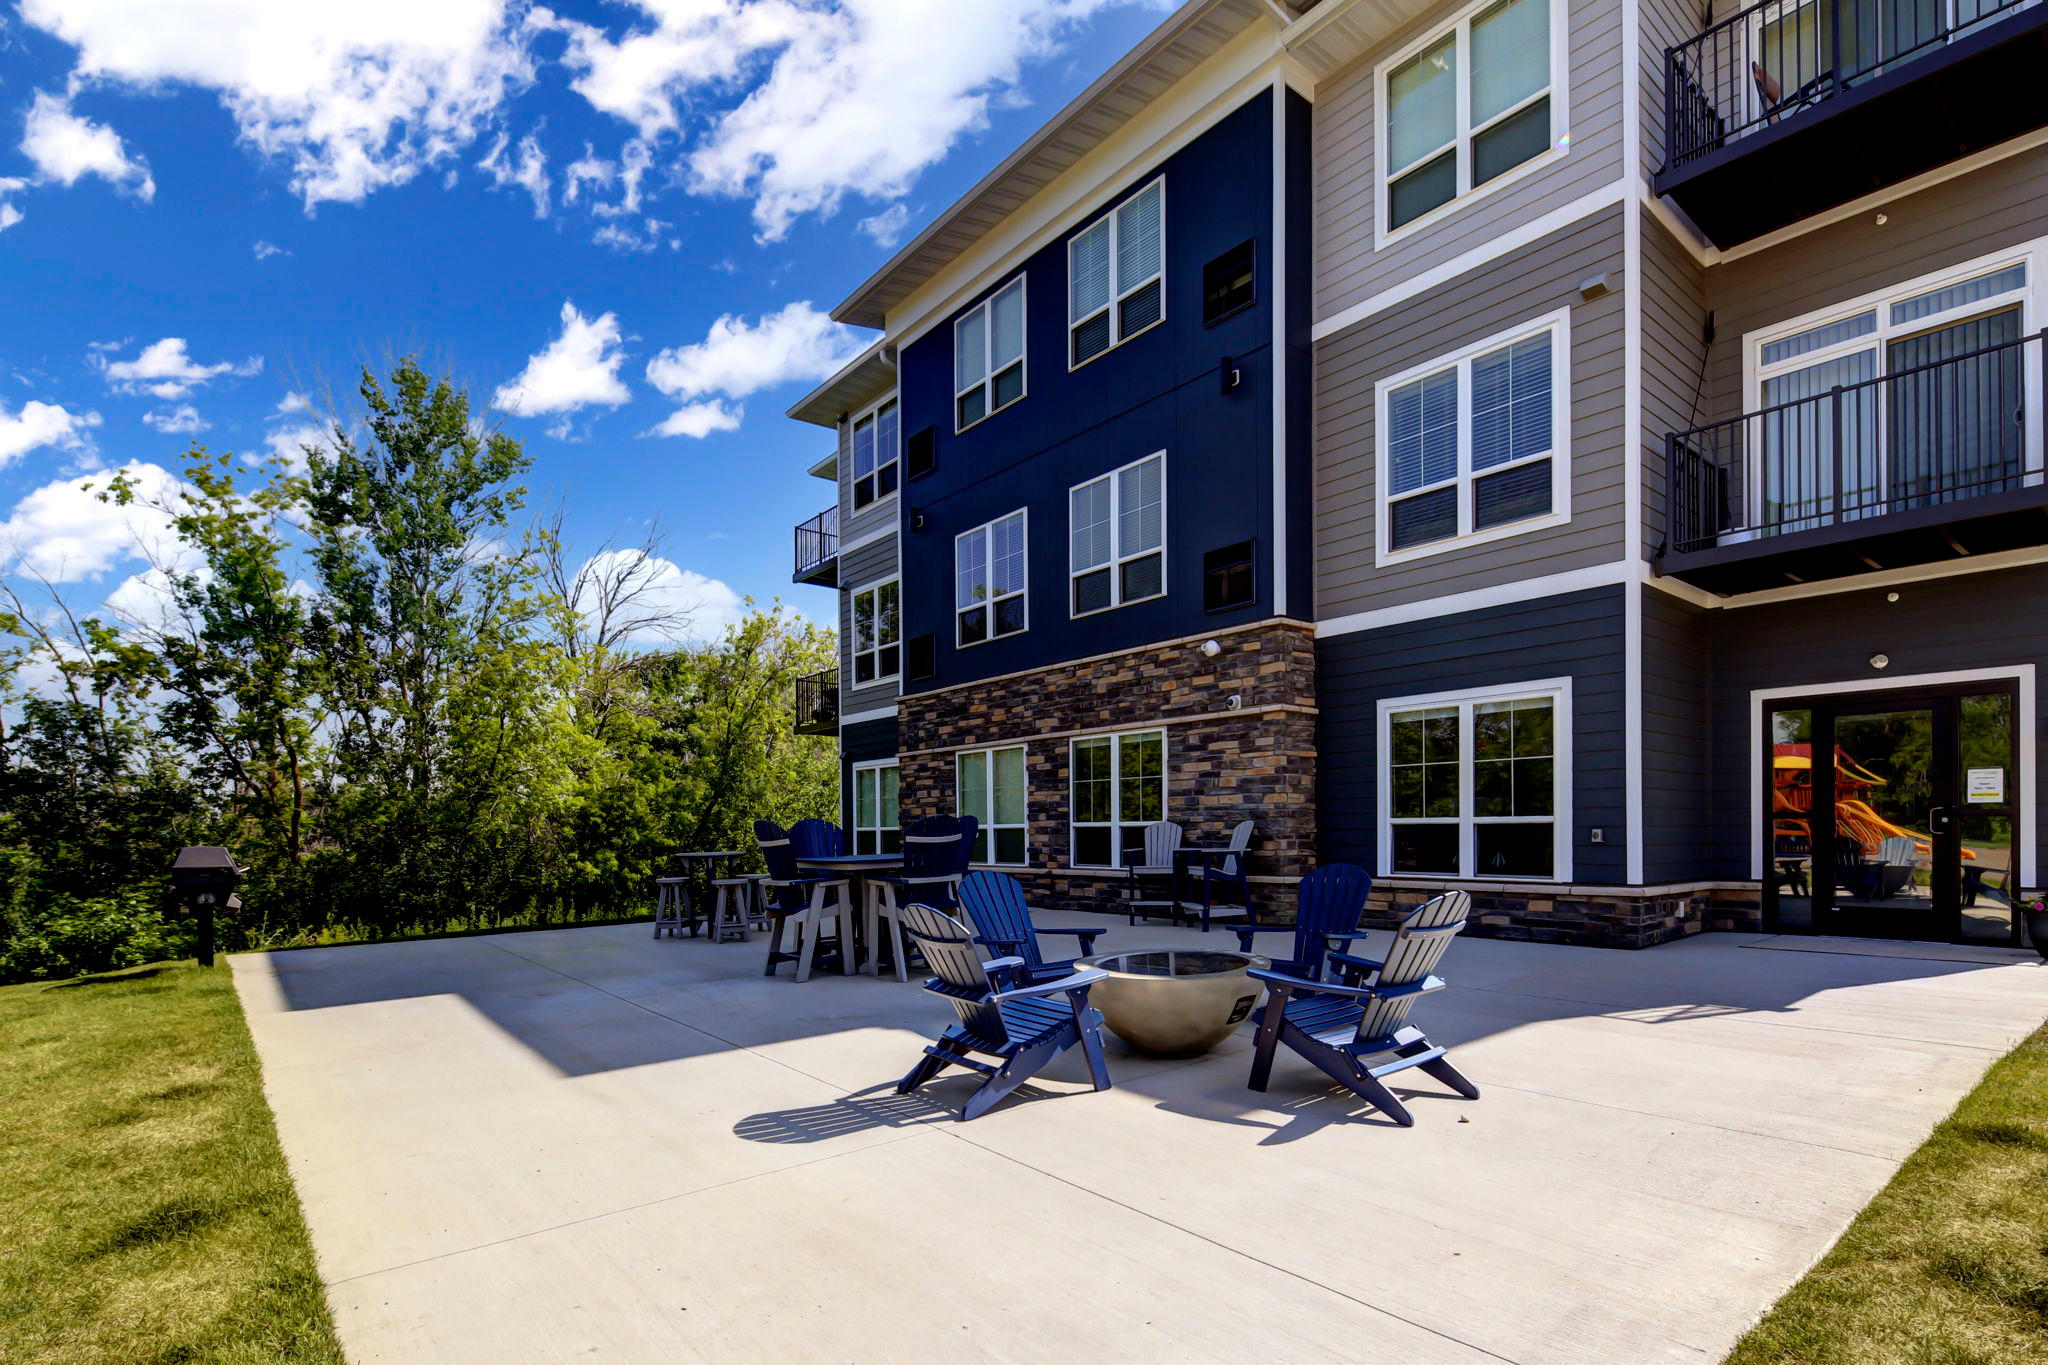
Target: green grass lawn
x,y
145,1211
1949,1264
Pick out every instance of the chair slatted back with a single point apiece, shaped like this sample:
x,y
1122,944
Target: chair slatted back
x,y
817,839
1899,851
1240,840
994,901
779,850
1161,839
964,854
931,846
958,972
1330,901
1418,946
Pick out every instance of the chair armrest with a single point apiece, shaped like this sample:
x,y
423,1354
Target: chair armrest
x,y
1287,981
1085,933
1363,964
990,941
1244,933
1004,964
1079,981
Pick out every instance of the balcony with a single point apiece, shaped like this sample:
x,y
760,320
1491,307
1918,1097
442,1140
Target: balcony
x,y
817,703
817,550
1787,110
1928,463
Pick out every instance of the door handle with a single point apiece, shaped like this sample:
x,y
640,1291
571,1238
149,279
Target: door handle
x,y
1941,819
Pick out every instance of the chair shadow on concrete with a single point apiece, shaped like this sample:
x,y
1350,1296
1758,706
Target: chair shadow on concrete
x,y
878,1106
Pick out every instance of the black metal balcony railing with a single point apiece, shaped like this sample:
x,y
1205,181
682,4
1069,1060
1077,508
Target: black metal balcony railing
x,y
817,703
1778,58
1961,427
817,543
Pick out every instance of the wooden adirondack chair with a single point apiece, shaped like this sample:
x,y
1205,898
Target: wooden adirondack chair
x,y
1327,908
1223,867
932,859
808,902
1023,1027
817,839
994,901
1155,860
1340,1029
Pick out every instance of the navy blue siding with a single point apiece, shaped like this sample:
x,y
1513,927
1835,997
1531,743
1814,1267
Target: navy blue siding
x,y
1301,469
1580,635
1969,622
1157,391
1678,751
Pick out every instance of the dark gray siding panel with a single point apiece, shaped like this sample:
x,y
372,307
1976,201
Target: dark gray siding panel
x,y
1968,622
1677,739
1579,635
1674,327
861,743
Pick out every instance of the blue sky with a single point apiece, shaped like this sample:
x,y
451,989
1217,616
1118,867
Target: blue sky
x,y
214,212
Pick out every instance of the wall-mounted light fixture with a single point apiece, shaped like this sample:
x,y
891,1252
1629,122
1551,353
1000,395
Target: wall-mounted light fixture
x,y
1880,661
1593,286
1210,649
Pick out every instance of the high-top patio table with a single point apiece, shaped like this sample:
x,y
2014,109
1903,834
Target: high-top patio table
x,y
702,869
857,868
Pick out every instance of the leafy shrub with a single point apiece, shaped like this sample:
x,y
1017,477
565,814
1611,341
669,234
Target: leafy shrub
x,y
74,935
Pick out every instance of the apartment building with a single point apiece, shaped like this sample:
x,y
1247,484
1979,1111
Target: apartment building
x,y
1585,452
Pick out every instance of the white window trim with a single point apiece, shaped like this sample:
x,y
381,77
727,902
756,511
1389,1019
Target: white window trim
x,y
990,604
1117,557
1560,121
1559,691
987,816
1559,324
861,509
854,651
853,804
1117,293
1116,764
988,377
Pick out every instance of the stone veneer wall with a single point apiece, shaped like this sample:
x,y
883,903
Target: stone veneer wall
x,y
1255,762
1588,916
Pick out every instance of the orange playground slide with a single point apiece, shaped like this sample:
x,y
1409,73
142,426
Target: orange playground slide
x,y
1792,796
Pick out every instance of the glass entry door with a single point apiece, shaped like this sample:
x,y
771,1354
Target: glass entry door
x,y
1892,815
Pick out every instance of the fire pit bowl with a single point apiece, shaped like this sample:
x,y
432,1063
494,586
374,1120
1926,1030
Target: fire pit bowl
x,y
1174,1002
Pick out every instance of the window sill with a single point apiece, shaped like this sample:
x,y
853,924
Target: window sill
x,y
1114,606
1384,558
992,412
1156,322
1383,240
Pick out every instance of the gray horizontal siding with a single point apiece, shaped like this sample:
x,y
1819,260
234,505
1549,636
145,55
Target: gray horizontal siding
x,y
1579,635
1678,751
1968,622
1347,266
1674,321
876,516
1506,294
857,569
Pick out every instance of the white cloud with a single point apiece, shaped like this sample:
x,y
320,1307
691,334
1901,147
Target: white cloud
x,y
354,97
9,214
699,420
66,148
887,226
42,424
293,401
529,173
65,533
265,250
182,420
738,357
588,169
710,604
577,369
289,444
164,370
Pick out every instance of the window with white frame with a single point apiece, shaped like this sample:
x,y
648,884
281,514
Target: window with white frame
x,y
988,580
991,789
1472,446
1116,785
1475,784
877,632
988,356
1115,287
874,453
1117,530
876,819
1472,104
1917,386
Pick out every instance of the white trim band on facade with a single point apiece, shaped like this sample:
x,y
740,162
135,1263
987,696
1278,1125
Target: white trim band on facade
x,y
1122,727
861,717
1113,654
849,546
1478,599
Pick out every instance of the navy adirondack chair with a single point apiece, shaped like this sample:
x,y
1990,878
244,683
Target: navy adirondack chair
x,y
994,901
1327,908
807,899
935,853
817,839
1022,1027
1341,1030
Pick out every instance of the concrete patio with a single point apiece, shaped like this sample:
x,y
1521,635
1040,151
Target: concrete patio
x,y
532,1147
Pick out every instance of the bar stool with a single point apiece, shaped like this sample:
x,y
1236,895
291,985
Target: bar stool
x,y
757,900
672,905
731,907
